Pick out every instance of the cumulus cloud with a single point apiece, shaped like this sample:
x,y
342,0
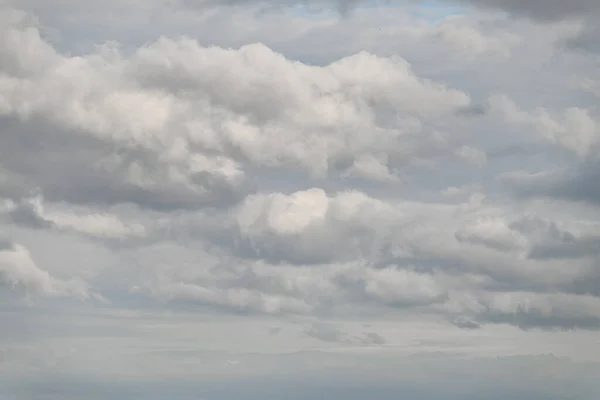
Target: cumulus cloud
x,y
169,127
405,183
311,227
241,179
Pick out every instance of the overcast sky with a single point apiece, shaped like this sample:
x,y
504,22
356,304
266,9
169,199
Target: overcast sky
x,y
299,199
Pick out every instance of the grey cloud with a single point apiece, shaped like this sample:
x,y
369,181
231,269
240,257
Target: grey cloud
x,y
275,330
465,323
543,238
585,40
372,338
574,183
105,228
268,289
495,254
537,320
429,272
330,333
581,247
521,149
325,332
554,242
312,227
28,213
576,131
490,232
184,134
74,167
173,154
539,9
231,299
543,9
536,7
425,279
224,194
395,287
472,111
20,274
527,310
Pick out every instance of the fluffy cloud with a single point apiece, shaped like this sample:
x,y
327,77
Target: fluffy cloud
x,y
169,127
255,192
309,226
236,178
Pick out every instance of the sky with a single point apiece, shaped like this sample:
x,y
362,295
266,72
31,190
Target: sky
x,y
282,199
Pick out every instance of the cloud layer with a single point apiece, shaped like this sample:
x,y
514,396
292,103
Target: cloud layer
x,y
183,143
404,178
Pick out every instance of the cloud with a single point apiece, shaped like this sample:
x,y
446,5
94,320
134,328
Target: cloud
x,y
465,323
469,40
547,10
576,131
329,333
408,262
547,311
276,178
537,10
570,183
311,227
20,274
255,192
186,133
491,232
30,213
532,8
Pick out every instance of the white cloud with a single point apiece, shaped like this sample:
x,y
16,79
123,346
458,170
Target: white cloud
x,y
310,225
311,117
246,186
